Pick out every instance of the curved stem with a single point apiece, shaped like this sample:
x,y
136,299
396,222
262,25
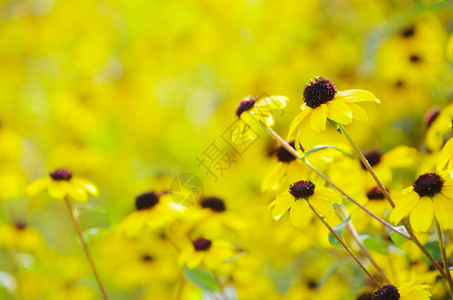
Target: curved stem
x,y
355,235
389,199
85,247
293,151
346,247
444,256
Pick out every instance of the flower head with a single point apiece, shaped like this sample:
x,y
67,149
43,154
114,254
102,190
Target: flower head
x,y
261,110
206,252
430,195
322,101
62,183
406,291
301,194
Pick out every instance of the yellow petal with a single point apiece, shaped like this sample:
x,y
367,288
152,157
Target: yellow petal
x,y
273,178
281,206
445,155
296,171
327,195
443,210
300,213
318,118
422,215
85,185
404,207
306,136
339,112
324,207
356,96
57,189
77,194
38,186
358,113
298,120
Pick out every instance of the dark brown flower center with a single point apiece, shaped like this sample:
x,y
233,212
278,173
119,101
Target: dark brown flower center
x,y
245,105
387,292
375,194
283,155
431,116
428,184
364,296
61,174
202,244
302,189
415,59
146,200
373,158
213,203
147,258
20,225
408,32
319,91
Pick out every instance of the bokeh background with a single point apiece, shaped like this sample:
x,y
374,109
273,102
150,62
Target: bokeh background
x,y
129,93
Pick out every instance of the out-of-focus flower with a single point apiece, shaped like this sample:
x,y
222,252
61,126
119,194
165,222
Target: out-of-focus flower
x,y
323,102
431,195
61,183
21,237
445,159
439,124
208,253
261,110
153,210
297,200
407,291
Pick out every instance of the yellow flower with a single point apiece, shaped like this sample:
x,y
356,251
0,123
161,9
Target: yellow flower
x,y
298,197
207,253
438,123
322,102
407,291
261,109
446,157
61,183
21,237
153,210
431,195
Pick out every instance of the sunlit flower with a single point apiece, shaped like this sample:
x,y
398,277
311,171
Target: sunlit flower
x,y
439,125
209,253
61,183
407,291
322,101
430,195
297,200
261,110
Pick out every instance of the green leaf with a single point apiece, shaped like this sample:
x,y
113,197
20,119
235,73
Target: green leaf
x,y
204,280
339,230
433,249
451,268
91,233
91,207
396,238
374,243
336,205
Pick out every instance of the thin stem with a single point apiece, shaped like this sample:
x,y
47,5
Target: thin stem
x,y
293,151
355,235
346,247
85,247
222,290
389,199
444,256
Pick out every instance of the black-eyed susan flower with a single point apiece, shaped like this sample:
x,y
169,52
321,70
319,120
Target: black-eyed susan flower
x,y
207,253
297,200
152,210
439,125
407,291
20,236
61,183
261,110
430,195
322,101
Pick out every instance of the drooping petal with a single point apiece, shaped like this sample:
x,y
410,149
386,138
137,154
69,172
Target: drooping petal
x,y
77,194
421,216
306,136
272,179
85,185
339,112
445,155
38,186
281,205
300,214
327,195
358,113
404,207
324,207
443,210
272,103
356,96
318,118
298,120
57,189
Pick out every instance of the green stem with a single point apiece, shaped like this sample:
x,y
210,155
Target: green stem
x,y
389,199
346,247
85,247
444,256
